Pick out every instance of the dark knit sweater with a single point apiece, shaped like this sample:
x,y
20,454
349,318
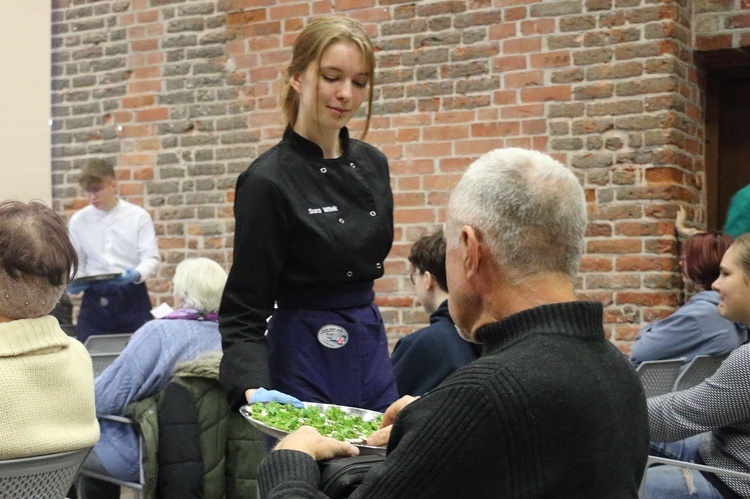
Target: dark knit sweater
x,y
551,410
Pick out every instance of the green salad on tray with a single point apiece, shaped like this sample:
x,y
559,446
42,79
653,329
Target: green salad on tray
x,y
333,422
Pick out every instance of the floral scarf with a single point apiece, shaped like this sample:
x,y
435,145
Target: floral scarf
x,y
191,314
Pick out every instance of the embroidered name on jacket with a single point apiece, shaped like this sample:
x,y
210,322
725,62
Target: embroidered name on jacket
x,y
325,209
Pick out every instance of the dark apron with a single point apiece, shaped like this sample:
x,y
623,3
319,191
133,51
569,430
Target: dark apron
x,y
108,308
331,348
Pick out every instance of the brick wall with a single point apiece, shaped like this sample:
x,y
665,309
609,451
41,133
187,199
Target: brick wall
x,y
184,94
721,24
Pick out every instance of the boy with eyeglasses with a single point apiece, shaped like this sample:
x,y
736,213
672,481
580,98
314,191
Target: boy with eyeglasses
x,y
112,236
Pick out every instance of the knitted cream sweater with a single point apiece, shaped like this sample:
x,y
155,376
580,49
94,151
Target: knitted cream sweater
x,y
47,397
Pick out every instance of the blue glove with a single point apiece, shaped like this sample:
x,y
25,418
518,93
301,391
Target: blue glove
x,y
75,288
263,395
126,277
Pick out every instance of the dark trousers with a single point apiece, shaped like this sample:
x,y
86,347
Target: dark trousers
x,y
111,309
92,488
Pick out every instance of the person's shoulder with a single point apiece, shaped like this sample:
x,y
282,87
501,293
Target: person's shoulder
x,y
405,343
81,214
438,336
126,207
703,304
268,162
359,148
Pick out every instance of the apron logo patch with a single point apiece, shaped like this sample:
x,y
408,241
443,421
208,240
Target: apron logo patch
x,y
331,336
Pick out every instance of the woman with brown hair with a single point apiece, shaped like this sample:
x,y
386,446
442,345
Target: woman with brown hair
x,y
48,382
696,328
314,224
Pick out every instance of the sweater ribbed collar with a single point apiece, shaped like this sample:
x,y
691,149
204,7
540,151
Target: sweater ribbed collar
x,y
24,336
575,319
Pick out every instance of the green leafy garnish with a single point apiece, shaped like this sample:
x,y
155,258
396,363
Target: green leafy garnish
x,y
334,422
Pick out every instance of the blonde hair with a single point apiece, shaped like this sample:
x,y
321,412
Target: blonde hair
x,y
308,48
199,283
742,243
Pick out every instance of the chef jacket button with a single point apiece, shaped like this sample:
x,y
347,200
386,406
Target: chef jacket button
x,y
379,265
352,165
323,170
372,213
341,220
349,274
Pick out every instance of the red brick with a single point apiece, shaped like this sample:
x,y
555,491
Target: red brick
x,y
549,93
523,45
560,58
138,101
497,129
664,175
522,112
649,299
410,216
591,263
614,246
644,263
153,114
525,79
713,42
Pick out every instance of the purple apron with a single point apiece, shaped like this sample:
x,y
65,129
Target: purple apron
x,y
108,308
331,347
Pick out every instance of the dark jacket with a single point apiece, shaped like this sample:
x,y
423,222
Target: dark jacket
x,y
423,359
194,446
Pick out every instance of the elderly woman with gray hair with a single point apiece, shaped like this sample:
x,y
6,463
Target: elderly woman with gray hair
x,y
146,364
47,398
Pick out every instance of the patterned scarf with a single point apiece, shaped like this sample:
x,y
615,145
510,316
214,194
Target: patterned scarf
x,y
191,314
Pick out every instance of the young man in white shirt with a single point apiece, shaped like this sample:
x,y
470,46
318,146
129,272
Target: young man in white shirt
x,y
112,236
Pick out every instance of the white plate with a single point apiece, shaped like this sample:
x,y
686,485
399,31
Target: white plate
x,y
247,413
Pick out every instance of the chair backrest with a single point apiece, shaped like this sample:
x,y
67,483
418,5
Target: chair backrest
x,y
49,476
700,368
107,343
136,487
100,361
658,376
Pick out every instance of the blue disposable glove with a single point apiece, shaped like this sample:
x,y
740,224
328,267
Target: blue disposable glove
x,y
75,288
263,395
126,277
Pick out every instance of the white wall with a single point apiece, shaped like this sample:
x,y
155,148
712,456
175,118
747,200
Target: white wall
x,y
25,170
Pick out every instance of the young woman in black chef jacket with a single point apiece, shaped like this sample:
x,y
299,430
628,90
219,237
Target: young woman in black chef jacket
x,y
314,224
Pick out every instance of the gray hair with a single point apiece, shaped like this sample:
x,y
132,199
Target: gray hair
x,y
199,283
529,208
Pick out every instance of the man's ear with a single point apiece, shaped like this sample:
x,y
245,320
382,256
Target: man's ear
x,y
430,281
471,242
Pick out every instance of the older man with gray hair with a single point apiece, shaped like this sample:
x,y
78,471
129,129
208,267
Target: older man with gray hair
x,y
551,409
